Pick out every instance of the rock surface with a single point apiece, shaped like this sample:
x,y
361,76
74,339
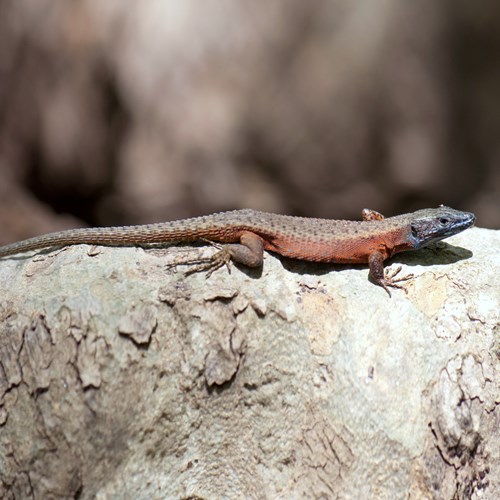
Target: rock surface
x,y
122,378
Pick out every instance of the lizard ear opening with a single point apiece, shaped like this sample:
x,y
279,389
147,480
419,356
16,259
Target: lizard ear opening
x,y
414,230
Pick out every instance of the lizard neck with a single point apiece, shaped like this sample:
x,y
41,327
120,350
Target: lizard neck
x,y
400,240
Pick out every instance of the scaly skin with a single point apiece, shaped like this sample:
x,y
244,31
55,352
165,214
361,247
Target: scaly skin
x,y
246,233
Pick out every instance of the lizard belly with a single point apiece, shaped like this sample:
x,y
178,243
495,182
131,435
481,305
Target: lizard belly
x,y
340,251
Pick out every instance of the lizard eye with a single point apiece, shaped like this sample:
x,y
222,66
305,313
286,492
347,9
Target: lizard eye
x,y
444,221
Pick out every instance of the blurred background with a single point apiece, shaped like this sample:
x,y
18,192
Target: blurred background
x,y
134,112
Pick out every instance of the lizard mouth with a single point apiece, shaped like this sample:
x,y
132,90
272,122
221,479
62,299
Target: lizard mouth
x,y
457,226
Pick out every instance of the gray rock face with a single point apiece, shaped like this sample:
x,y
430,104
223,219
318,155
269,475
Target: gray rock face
x,y
120,377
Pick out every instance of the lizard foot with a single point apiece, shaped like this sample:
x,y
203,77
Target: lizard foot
x,y
210,264
390,280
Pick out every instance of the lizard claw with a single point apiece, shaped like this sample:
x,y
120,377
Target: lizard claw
x,y
390,280
210,264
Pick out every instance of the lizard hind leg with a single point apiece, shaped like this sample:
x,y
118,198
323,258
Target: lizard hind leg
x,y
248,252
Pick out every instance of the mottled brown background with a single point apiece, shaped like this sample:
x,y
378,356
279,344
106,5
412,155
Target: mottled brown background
x,y
132,112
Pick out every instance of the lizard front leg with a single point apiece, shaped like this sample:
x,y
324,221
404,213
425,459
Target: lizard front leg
x,y
383,278
369,214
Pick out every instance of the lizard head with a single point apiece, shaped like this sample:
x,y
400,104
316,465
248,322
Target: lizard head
x,y
434,224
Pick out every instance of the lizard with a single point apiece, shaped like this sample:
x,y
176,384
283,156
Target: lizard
x,y
243,235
